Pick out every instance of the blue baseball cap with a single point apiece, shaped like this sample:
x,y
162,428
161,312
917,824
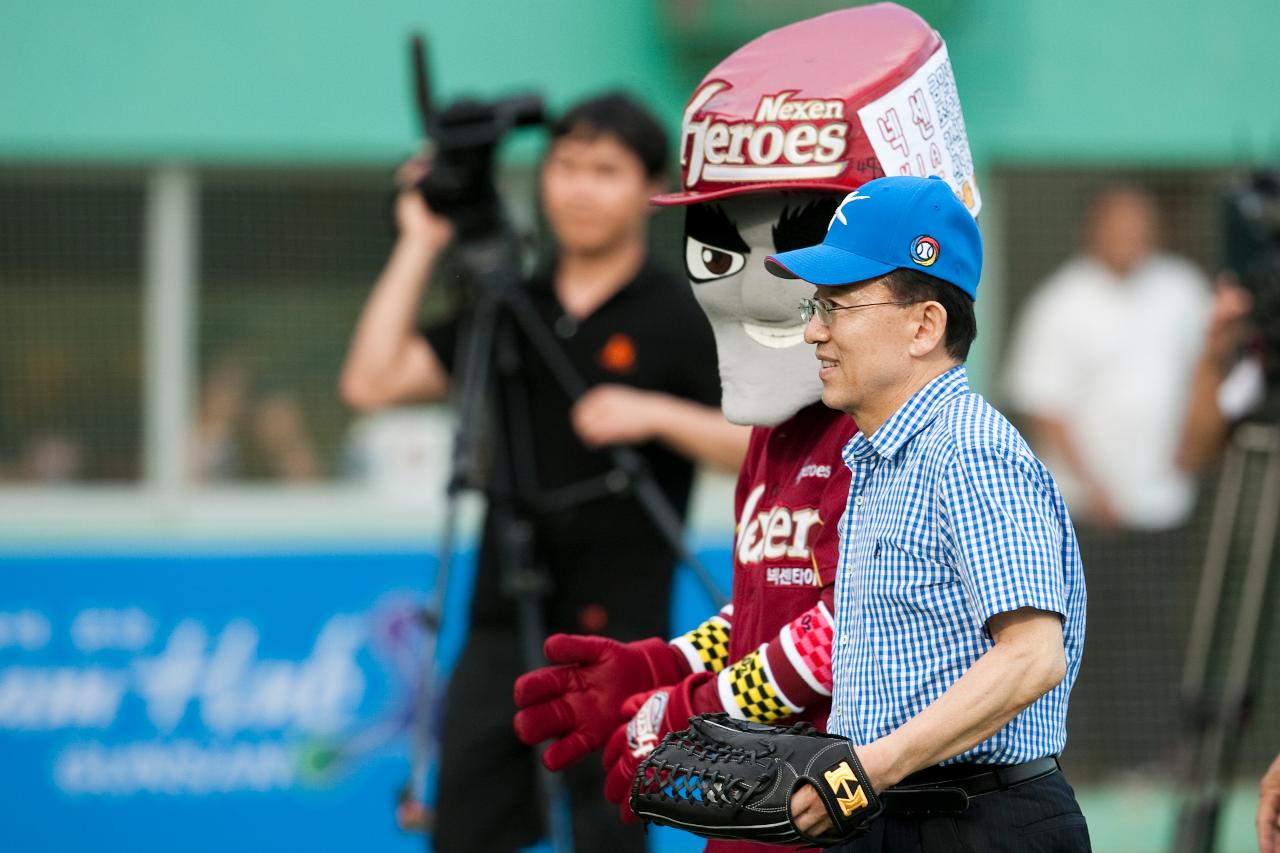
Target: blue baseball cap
x,y
887,224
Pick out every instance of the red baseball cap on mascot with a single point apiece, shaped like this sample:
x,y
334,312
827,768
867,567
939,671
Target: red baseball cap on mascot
x,y
827,103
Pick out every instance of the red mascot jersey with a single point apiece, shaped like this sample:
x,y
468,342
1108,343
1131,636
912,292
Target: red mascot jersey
x,y
791,494
767,656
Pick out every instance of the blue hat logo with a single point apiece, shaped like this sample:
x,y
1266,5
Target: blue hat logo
x,y
924,250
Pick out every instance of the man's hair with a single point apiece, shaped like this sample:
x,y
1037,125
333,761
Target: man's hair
x,y
914,286
620,116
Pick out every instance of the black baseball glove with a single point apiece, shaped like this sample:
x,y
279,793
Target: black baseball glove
x,y
727,778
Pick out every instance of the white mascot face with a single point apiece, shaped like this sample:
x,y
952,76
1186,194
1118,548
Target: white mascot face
x,y
767,371
773,137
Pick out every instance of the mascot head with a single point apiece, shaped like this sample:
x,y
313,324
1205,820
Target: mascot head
x,y
773,138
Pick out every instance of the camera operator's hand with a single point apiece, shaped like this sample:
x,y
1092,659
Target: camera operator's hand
x,y
1228,320
1206,425
616,414
415,220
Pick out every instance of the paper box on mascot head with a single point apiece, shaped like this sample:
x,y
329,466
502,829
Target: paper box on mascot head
x,y
772,139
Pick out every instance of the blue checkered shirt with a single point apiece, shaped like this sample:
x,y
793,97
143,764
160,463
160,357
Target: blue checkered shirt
x,y
951,520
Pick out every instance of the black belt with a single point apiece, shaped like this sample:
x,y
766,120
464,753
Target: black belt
x,y
946,789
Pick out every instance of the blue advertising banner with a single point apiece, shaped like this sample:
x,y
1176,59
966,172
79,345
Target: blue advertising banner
x,y
220,701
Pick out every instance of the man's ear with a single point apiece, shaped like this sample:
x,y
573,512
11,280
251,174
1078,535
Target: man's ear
x,y
930,330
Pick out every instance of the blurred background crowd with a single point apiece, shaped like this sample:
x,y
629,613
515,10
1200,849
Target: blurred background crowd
x,y
195,201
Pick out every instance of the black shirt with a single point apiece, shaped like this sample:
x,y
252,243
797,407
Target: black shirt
x,y
650,335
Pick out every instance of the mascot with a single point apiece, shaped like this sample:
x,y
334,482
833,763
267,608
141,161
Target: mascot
x,y
773,138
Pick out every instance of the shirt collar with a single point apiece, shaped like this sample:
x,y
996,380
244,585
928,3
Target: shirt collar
x,y
544,276
913,416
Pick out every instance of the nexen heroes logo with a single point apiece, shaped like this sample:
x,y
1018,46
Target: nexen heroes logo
x,y
811,148
778,533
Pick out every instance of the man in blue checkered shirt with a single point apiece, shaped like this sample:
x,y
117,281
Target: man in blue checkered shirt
x,y
960,600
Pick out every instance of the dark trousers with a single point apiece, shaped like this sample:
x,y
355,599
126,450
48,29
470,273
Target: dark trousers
x,y
1041,816
489,797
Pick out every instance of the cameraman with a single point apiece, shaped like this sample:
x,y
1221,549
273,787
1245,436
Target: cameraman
x,y
1231,382
636,335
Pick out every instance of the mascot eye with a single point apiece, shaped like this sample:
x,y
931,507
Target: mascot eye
x,y
705,263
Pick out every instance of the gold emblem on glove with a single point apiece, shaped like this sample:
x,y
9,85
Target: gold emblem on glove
x,y
838,781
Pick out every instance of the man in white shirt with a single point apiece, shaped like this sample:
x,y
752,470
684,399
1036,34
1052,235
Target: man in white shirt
x,y
1101,363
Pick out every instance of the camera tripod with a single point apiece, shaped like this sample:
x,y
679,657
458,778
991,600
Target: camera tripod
x,y
1219,699
494,451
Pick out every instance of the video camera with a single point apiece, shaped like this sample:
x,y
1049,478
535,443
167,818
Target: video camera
x,y
464,137
1252,251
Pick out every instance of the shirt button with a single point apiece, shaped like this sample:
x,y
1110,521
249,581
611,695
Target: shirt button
x,y
844,637
857,500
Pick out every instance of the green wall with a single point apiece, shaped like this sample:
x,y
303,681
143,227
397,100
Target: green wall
x,y
1165,81
1135,81
318,80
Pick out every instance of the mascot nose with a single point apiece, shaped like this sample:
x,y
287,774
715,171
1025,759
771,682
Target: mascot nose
x,y
767,298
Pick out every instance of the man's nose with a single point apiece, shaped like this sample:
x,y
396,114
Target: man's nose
x,y
815,331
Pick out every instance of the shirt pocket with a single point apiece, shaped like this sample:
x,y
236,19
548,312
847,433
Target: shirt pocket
x,y
918,621
908,572
916,600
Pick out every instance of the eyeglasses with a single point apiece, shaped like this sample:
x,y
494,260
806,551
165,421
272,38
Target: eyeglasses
x,y
822,309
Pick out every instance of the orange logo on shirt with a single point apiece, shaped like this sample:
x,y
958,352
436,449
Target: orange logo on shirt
x,y
618,354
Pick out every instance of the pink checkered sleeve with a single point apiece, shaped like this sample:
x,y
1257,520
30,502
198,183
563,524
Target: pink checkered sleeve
x,y
800,657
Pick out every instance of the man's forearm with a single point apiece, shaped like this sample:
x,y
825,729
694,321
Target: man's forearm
x,y
999,686
701,433
381,364
1027,661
